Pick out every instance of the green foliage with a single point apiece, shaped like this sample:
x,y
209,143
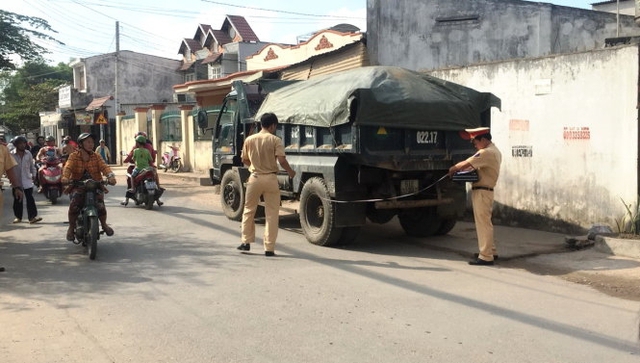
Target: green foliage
x,y
31,89
630,222
16,32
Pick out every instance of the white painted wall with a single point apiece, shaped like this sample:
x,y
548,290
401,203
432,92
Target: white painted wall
x,y
576,181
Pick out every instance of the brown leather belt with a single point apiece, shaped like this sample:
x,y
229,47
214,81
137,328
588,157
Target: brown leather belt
x,y
482,188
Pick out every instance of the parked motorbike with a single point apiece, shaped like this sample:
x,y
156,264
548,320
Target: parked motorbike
x,y
87,225
147,191
171,160
51,178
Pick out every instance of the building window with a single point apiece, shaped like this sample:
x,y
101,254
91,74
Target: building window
x,y
190,77
215,71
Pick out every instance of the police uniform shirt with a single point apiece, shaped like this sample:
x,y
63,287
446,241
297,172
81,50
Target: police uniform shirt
x,y
487,162
262,149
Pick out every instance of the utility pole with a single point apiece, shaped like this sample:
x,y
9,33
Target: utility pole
x,y
617,18
115,96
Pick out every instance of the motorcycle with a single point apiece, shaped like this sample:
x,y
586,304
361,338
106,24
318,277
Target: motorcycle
x,y
171,160
87,224
147,191
50,177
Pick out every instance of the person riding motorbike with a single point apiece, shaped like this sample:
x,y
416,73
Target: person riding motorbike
x,y
141,158
48,150
85,163
129,159
68,145
36,148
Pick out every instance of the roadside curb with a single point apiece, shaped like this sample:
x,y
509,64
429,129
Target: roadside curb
x,y
618,246
198,178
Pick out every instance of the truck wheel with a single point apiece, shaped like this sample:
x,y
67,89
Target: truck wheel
x,y
317,214
420,222
379,216
232,195
446,226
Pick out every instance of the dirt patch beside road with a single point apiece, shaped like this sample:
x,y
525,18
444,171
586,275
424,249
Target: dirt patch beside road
x,y
613,275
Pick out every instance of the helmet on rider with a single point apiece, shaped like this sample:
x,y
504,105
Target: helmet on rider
x,y
50,138
141,139
84,136
18,139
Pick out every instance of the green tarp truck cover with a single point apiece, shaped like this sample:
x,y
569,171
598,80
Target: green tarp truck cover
x,y
379,96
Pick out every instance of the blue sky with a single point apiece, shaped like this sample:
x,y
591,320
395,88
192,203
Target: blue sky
x,y
87,27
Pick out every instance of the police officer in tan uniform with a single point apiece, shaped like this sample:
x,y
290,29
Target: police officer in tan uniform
x,y
487,163
8,166
260,152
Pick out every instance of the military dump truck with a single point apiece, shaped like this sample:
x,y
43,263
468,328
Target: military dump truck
x,y
366,144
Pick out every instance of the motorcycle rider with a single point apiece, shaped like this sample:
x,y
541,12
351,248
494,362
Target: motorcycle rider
x,y
68,146
141,158
35,148
129,159
81,162
48,150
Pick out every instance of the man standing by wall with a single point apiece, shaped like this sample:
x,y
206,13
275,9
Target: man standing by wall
x,y
8,166
260,152
487,163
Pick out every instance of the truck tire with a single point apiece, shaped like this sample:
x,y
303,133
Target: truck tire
x,y
317,214
420,222
379,216
446,226
232,195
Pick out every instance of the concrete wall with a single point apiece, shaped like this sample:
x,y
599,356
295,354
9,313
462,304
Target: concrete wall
x,y
202,156
142,78
568,132
432,34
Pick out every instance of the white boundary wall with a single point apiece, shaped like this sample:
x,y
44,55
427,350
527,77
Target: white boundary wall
x,y
568,132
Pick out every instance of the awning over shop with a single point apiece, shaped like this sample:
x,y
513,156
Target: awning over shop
x,y
98,103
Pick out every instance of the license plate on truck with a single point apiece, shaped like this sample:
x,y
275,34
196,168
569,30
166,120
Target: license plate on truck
x,y
409,186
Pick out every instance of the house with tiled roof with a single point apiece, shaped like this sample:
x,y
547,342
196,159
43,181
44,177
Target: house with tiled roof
x,y
216,53
329,50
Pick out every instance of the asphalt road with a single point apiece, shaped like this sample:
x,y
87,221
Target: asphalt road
x,y
170,286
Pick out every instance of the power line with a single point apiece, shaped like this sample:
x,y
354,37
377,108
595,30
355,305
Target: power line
x,y
275,11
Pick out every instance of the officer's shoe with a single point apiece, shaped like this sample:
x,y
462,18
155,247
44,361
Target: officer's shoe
x,y
480,262
476,255
244,247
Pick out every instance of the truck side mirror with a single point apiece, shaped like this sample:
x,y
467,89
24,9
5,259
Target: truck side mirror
x,y
203,120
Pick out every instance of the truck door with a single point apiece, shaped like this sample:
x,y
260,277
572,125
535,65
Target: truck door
x,y
224,137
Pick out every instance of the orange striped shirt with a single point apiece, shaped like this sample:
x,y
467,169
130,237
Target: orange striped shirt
x,y
75,167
